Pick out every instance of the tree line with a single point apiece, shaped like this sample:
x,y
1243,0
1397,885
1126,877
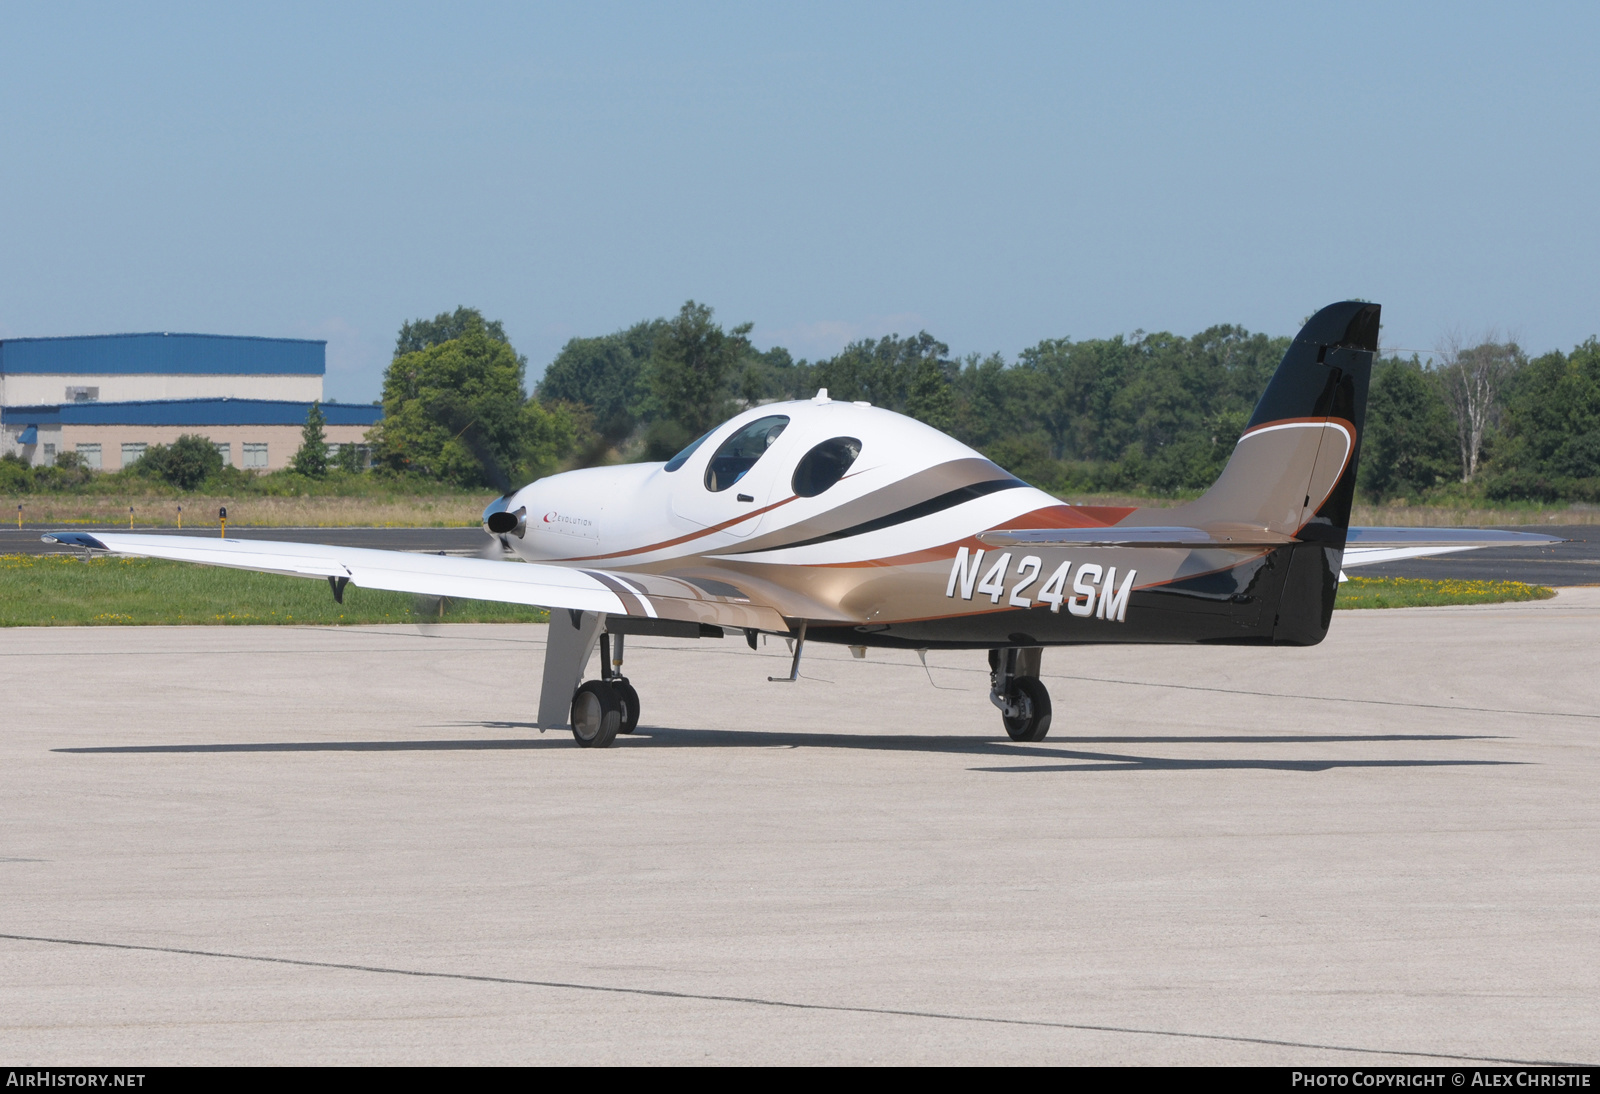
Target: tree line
x,y
1146,412
1485,420
1141,413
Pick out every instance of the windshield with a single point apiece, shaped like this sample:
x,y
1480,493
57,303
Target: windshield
x,y
682,457
740,452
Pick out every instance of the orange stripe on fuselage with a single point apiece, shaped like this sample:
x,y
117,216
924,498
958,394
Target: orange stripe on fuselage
x,y
681,539
1050,516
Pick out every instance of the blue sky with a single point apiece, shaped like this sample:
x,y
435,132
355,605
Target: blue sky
x,y
996,174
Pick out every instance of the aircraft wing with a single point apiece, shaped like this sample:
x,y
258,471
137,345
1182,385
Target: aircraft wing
x,y
646,596
1366,546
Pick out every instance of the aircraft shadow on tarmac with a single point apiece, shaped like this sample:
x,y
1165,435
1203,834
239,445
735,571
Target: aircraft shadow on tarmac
x,y
659,737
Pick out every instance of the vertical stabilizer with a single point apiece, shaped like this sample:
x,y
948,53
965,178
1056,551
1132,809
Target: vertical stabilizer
x,y
1293,472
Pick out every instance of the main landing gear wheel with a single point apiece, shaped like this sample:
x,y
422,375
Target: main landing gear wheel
x,y
630,706
1031,701
596,714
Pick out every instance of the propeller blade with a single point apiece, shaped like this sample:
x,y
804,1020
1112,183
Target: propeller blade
x,y
469,432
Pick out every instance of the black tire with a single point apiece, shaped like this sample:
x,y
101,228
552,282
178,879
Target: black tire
x,y
630,706
596,714
1033,717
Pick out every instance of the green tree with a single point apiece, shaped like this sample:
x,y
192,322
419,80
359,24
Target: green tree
x,y
603,374
1410,442
312,458
185,463
456,412
1153,410
691,361
885,372
930,396
1549,446
349,459
765,376
16,476
421,334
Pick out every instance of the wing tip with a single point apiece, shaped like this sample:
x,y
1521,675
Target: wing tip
x,y
74,539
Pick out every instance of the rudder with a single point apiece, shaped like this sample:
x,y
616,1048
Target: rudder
x,y
1323,377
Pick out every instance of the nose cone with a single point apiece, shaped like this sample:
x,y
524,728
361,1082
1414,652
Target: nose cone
x,y
567,515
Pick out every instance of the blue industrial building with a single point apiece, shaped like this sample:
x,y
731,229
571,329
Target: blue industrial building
x,y
107,397
163,355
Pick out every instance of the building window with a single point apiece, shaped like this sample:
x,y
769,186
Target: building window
x,y
255,457
49,454
225,450
83,394
133,452
91,456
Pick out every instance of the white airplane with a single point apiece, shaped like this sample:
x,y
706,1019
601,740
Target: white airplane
x,y
821,520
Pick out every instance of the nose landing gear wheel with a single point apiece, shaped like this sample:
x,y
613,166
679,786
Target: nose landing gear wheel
x,y
630,706
1032,703
596,714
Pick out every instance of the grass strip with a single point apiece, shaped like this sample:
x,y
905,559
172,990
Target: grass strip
x,y
1413,592
457,510
64,591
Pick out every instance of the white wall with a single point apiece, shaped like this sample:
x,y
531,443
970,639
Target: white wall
x,y
282,441
43,389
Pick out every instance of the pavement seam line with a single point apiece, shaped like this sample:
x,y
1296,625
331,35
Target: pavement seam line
x,y
750,1000
1316,698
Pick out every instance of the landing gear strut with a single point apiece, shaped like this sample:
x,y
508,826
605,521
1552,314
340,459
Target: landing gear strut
x,y
1015,688
603,708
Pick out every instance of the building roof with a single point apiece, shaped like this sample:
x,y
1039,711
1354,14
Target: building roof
x,y
190,412
164,354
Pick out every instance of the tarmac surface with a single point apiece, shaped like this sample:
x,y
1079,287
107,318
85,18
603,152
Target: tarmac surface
x,y
301,845
1574,562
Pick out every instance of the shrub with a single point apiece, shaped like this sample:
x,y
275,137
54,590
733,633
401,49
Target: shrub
x,y
16,477
185,463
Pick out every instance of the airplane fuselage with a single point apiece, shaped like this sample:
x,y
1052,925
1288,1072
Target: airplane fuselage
x,y
901,549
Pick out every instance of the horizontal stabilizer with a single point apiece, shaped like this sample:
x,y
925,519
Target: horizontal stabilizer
x,y
1367,546
1133,537
1364,546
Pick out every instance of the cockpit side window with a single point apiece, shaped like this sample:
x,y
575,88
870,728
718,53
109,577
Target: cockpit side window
x,y
824,465
740,452
683,457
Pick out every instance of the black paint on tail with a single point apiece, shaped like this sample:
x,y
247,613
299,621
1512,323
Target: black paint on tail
x,y
1324,374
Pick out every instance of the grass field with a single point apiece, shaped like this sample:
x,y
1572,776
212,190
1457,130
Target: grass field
x,y
1410,592
65,591
380,511
463,509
